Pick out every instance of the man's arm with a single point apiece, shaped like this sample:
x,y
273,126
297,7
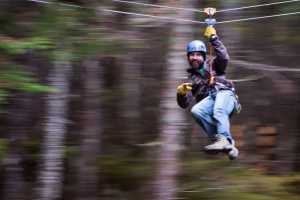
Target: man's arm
x,y
220,62
184,100
222,58
184,95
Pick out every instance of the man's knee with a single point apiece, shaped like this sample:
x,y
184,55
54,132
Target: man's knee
x,y
219,113
197,112
194,111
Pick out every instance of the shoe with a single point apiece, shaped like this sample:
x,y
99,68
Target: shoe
x,y
233,153
231,150
220,144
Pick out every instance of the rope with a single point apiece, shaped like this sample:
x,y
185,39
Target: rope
x,y
158,6
256,18
255,6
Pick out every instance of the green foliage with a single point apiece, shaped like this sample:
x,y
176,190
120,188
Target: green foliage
x,y
127,173
14,47
32,148
227,180
92,47
71,151
293,186
3,148
14,78
3,94
73,33
62,33
17,79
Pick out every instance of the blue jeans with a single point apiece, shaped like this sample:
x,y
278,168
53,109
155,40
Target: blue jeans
x,y
213,112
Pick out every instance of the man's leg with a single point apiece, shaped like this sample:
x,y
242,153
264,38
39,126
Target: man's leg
x,y
224,105
203,112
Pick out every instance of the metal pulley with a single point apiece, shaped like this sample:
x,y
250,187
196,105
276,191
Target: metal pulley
x,y
210,21
210,12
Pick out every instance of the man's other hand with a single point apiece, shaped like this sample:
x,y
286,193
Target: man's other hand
x,y
184,88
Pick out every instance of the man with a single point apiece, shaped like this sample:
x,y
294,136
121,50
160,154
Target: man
x,y
214,95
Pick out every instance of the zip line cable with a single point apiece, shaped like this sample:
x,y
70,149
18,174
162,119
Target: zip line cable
x,y
123,12
195,10
279,69
262,67
177,8
159,6
256,18
175,19
256,6
153,16
63,4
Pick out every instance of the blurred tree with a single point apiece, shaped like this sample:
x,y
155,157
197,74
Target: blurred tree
x,y
91,133
17,85
63,25
77,38
172,117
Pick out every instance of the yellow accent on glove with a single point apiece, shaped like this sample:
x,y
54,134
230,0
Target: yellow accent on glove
x,y
184,88
209,31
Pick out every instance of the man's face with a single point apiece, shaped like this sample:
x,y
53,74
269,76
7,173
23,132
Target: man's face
x,y
195,59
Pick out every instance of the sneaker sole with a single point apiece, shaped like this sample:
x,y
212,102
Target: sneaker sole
x,y
214,151
225,151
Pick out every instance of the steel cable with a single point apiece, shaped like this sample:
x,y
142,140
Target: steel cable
x,y
256,6
180,19
159,6
153,16
256,18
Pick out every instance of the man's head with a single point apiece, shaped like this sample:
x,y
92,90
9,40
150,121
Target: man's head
x,y
196,53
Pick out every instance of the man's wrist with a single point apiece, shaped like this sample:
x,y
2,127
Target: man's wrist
x,y
213,37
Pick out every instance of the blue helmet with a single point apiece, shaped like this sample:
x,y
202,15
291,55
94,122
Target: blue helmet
x,y
196,45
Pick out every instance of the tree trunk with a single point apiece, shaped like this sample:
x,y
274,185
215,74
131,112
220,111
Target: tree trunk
x,y
50,178
91,132
172,116
18,116
23,122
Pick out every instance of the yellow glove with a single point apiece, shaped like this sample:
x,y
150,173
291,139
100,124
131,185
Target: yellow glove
x,y
209,31
184,88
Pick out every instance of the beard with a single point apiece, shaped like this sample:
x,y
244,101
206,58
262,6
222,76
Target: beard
x,y
196,64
